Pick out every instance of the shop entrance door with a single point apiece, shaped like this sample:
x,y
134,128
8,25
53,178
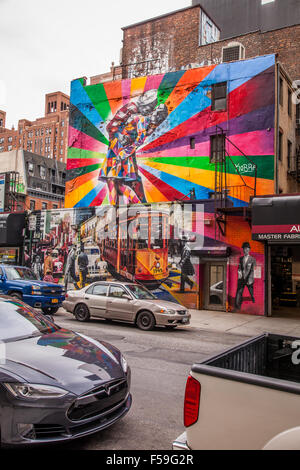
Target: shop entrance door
x,y
215,286
285,280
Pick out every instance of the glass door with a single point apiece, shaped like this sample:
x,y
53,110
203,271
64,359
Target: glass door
x,y
215,286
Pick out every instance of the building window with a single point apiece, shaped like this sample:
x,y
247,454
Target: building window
x,y
55,206
280,146
217,148
43,172
290,102
192,143
31,168
10,139
1,140
289,154
9,148
1,149
219,97
281,91
44,206
32,205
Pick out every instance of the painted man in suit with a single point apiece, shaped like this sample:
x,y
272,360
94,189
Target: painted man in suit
x,y
245,275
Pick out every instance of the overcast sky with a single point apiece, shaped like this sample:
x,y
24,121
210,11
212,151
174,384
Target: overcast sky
x,y
46,44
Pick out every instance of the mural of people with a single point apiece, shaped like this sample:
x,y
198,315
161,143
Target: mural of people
x,y
187,269
247,264
83,263
70,271
37,266
128,130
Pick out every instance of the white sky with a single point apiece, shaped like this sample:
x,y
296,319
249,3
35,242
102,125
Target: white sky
x,y
44,44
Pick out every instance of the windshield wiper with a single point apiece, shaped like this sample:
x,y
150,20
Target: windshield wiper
x,y
20,338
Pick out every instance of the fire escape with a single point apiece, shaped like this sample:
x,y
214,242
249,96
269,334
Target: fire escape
x,y
225,194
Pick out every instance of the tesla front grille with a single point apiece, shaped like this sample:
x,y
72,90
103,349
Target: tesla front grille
x,y
99,401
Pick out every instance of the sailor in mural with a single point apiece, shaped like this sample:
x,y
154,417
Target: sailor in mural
x,y
245,275
187,268
128,130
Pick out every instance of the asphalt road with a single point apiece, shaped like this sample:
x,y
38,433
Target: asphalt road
x,y
160,362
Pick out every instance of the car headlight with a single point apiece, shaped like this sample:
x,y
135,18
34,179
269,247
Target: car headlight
x,y
34,391
124,364
168,311
36,290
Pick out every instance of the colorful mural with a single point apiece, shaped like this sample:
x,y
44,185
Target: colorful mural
x,y
168,247
148,139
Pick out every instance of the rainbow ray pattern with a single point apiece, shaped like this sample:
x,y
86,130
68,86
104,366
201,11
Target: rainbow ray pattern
x,y
167,164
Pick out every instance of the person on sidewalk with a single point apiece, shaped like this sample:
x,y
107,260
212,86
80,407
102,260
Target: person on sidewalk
x,y
245,276
48,263
83,263
187,269
49,278
70,272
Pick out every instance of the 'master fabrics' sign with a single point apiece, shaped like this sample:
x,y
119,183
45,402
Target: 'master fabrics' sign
x,y
276,218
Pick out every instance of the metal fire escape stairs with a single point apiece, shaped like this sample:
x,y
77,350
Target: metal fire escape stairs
x,y
224,193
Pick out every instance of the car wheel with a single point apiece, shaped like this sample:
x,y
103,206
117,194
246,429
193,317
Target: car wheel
x,y
82,313
16,295
145,321
50,310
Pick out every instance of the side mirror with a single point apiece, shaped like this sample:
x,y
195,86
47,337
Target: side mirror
x,y
1,277
127,297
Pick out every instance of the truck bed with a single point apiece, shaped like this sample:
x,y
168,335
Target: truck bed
x,y
266,356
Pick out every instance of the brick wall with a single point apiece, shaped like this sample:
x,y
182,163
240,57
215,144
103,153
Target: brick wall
x,y
174,41
162,44
283,41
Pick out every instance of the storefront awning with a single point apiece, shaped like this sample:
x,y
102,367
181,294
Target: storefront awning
x,y
214,251
276,218
12,228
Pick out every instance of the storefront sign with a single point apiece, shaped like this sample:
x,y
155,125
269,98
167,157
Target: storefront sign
x,y
276,219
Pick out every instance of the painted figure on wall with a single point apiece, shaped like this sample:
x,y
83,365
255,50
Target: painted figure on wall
x,y
247,264
128,130
187,269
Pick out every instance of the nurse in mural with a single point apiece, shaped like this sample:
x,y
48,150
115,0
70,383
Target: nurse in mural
x,y
128,130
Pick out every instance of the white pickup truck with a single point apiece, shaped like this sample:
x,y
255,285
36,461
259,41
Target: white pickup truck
x,y
246,398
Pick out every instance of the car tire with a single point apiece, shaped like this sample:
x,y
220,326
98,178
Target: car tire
x,y
145,321
49,310
82,313
16,295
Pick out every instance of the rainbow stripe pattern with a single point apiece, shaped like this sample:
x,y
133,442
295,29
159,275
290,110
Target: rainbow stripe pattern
x,y
169,167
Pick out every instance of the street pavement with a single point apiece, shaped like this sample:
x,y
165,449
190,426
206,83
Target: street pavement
x,y
160,361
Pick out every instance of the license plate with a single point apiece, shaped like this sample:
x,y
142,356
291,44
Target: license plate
x,y
54,301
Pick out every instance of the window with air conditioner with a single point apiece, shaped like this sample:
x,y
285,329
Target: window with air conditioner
x,y
234,51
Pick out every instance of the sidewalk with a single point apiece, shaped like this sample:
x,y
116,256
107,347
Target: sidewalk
x,y
241,324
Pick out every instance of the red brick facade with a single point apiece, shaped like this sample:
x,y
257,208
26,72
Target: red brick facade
x,y
174,42
47,136
165,43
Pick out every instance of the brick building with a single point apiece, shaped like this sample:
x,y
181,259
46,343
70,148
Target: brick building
x,y
168,42
47,136
40,181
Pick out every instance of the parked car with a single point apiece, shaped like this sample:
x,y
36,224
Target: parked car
x,y
244,399
55,385
127,302
21,283
216,293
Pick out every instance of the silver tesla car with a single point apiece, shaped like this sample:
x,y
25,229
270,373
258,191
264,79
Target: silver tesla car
x,y
127,302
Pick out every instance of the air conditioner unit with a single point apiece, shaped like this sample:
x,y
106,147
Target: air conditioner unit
x,y
232,52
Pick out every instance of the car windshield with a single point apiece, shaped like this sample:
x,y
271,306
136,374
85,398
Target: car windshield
x,y
20,321
16,274
140,292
